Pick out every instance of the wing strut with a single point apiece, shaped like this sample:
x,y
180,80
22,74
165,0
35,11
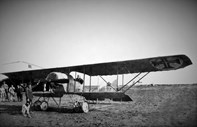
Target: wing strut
x,y
129,81
136,82
108,83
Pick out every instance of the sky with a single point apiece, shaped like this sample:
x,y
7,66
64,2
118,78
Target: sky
x,y
53,33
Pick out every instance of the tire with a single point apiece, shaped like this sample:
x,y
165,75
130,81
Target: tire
x,y
81,107
44,106
85,107
37,105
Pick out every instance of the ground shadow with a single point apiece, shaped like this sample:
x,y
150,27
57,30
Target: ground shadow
x,y
10,109
15,109
60,110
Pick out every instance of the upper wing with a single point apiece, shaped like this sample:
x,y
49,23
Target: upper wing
x,y
164,63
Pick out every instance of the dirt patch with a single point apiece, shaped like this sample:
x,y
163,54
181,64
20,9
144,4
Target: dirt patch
x,y
174,105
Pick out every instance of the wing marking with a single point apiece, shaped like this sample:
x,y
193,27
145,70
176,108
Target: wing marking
x,y
168,63
164,63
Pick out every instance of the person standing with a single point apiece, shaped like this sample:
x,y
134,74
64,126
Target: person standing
x,y
28,92
12,93
5,86
2,90
19,93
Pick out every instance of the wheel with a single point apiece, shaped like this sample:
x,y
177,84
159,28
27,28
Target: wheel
x,y
81,107
77,107
44,106
85,107
37,104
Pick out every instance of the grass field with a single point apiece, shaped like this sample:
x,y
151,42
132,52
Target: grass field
x,y
158,105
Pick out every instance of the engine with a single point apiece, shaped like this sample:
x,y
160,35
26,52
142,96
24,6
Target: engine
x,y
74,85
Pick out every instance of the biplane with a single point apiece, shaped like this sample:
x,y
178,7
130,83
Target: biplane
x,y
58,81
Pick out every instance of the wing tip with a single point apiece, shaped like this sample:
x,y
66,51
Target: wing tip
x,y
186,59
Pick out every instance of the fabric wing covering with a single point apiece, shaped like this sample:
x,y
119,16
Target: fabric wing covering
x,y
163,63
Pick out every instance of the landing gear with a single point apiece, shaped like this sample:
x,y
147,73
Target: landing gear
x,y
40,105
36,105
85,107
44,106
81,107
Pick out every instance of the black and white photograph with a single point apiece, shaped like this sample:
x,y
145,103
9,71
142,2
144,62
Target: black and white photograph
x,y
98,63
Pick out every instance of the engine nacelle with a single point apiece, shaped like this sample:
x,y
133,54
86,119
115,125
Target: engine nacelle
x,y
72,86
